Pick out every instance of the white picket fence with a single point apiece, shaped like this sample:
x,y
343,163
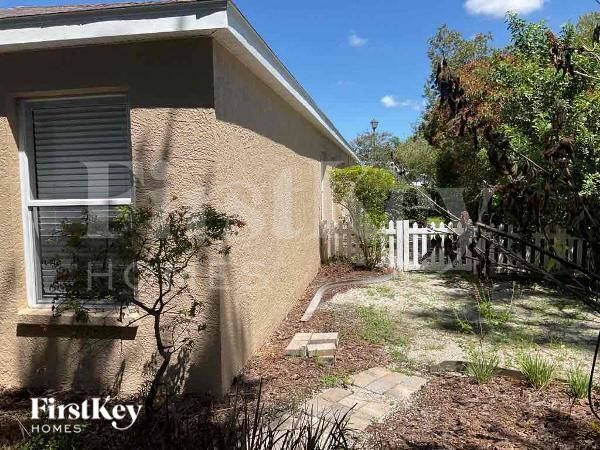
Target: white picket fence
x,y
411,248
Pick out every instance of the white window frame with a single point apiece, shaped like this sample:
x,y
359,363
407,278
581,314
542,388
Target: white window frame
x,y
29,202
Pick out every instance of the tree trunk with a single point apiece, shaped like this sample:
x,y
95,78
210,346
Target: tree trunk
x,y
153,391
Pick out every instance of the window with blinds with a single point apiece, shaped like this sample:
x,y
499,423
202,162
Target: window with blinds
x,y
76,165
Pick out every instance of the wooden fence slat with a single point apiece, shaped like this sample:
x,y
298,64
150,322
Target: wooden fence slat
x,y
407,244
399,245
391,244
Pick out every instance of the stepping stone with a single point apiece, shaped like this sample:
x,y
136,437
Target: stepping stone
x,y
302,337
385,383
379,371
296,348
321,350
375,410
317,406
325,338
353,401
298,344
359,421
399,393
366,377
335,394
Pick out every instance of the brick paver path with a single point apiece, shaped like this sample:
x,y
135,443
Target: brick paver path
x,y
372,395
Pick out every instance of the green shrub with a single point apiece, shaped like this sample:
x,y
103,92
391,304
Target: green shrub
x,y
538,371
363,192
482,365
578,381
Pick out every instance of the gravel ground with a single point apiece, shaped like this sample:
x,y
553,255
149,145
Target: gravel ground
x,y
433,313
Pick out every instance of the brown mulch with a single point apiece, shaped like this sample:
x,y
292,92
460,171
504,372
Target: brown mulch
x,y
453,412
289,379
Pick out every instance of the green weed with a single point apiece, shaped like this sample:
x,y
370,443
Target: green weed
x,y
381,291
376,326
538,371
335,380
578,382
482,365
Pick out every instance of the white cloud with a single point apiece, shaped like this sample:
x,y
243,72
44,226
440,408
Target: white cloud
x,y
354,40
389,101
413,104
498,8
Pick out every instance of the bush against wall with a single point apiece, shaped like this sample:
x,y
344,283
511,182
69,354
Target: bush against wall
x,y
363,193
146,256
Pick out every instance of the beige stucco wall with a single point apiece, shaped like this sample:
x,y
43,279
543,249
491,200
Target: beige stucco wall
x,y
237,145
271,171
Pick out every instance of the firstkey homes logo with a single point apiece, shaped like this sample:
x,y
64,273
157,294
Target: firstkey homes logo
x,y
68,417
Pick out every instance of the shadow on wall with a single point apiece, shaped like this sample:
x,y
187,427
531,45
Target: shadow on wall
x,y
100,359
223,348
175,155
244,100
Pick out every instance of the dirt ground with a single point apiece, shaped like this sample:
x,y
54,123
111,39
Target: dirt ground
x,y
410,324
437,316
290,381
452,412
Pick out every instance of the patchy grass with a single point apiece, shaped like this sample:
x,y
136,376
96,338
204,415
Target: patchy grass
x,y
381,290
401,359
482,365
440,314
578,381
376,326
332,380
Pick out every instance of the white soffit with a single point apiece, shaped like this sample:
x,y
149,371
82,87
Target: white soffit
x,y
218,18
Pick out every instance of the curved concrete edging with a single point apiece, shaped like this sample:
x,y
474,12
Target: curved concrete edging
x,y
316,300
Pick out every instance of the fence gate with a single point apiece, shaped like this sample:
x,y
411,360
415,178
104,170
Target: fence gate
x,y
414,248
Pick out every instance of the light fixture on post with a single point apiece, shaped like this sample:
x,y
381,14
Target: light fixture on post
x,y
374,125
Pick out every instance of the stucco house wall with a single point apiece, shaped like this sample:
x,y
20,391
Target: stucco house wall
x,y
203,129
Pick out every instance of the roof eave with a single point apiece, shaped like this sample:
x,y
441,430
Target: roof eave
x,y
218,18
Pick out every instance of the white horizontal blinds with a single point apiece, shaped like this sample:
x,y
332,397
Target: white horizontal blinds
x,y
81,149
79,153
55,253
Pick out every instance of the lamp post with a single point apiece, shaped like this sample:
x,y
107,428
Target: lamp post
x,y
374,125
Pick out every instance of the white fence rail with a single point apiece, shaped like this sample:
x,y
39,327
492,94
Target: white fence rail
x,y
413,248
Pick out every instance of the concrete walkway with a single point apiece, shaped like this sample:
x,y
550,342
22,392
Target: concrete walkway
x,y
372,395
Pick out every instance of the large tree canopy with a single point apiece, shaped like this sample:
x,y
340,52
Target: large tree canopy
x,y
375,149
526,120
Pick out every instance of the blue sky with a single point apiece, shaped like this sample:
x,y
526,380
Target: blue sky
x,y
364,59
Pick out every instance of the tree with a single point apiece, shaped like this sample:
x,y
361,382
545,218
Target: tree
x,y
363,192
451,46
419,159
458,165
148,251
375,149
531,110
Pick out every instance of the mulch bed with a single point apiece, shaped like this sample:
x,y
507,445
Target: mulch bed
x,y
453,412
288,379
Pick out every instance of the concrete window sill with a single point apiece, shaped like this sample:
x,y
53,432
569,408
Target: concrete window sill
x,y
31,316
